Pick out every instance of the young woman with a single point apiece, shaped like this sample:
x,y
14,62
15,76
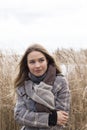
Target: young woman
x,y
43,97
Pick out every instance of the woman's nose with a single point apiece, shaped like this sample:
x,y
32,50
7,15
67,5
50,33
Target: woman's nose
x,y
37,64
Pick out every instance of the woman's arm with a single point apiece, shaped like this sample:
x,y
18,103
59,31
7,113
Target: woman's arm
x,y
62,94
62,99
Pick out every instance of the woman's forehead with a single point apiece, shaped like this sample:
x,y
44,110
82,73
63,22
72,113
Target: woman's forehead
x,y
35,54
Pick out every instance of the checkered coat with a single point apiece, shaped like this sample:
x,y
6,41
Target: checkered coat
x,y
25,113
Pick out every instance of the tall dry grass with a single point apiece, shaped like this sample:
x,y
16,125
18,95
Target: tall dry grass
x,y
76,73
8,63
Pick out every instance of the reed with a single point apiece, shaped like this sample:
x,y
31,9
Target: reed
x,y
76,73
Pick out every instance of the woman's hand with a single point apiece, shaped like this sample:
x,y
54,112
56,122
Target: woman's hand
x,y
62,118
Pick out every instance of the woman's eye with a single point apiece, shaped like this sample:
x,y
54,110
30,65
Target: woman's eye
x,y
41,60
31,62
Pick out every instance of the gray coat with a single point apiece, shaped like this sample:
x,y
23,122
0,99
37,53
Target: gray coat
x,y
25,113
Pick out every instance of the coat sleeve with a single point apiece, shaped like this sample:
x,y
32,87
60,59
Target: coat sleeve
x,y
62,94
29,118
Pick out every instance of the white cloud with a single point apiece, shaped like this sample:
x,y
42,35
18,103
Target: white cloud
x,y
59,23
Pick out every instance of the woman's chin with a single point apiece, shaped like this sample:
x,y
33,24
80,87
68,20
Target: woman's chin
x,y
38,75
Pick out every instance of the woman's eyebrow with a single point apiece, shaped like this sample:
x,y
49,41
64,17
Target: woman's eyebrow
x,y
34,59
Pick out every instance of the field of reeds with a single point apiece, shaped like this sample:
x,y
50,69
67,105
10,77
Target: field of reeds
x,y
75,69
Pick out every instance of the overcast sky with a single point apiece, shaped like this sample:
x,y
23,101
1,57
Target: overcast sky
x,y
53,23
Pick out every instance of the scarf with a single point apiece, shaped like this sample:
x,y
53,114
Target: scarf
x,y
48,78
36,79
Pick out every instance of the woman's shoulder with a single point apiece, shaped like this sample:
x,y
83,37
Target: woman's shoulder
x,y
60,81
20,90
60,76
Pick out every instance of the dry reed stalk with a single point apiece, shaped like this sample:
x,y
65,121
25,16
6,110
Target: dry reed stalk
x,y
77,77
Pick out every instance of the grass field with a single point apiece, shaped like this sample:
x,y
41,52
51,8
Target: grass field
x,y
77,77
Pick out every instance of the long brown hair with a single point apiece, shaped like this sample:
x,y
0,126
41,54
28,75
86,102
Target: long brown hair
x,y
23,68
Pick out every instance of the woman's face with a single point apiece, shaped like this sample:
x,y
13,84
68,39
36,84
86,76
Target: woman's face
x,y
37,63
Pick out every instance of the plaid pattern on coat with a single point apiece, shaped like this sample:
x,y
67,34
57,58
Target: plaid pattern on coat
x,y
32,120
